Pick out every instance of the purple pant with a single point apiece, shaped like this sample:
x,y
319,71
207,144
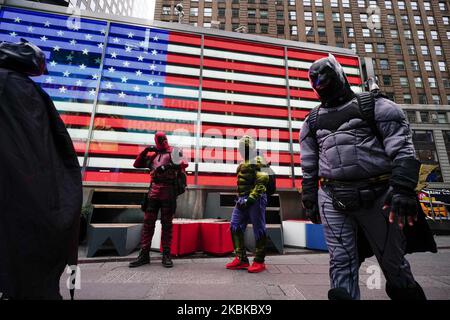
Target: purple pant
x,y
256,214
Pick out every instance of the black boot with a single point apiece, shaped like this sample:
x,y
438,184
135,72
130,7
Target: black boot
x,y
339,294
142,259
166,259
412,293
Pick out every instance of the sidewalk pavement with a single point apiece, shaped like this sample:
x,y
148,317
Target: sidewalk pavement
x,y
299,275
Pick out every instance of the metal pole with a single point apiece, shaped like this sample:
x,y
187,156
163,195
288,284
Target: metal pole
x,y
199,112
95,103
291,147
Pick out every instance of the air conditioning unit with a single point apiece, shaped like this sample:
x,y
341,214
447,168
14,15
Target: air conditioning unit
x,y
434,117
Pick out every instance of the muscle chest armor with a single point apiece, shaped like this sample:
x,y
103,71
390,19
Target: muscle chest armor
x,y
161,159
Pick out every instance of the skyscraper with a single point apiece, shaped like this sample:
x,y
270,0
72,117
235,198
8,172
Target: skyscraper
x,y
130,8
409,41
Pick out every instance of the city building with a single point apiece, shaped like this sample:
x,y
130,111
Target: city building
x,y
129,8
408,41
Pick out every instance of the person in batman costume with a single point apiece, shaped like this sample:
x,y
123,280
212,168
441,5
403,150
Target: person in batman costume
x,y
366,199
164,161
252,181
40,181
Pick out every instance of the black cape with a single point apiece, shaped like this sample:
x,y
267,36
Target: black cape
x,y
40,191
419,238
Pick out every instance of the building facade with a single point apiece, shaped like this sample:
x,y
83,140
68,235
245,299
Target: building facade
x,y
408,41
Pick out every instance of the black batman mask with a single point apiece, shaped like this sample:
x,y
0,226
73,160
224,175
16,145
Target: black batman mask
x,y
329,81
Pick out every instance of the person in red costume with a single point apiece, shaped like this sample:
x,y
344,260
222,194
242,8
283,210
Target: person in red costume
x,y
164,161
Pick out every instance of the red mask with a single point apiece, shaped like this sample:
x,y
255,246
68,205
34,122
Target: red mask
x,y
161,141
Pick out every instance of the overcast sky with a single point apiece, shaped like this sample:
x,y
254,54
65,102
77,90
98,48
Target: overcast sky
x,y
144,9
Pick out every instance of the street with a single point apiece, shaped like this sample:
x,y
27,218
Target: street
x,y
294,276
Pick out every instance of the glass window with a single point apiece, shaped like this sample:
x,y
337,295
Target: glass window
x,y
411,114
421,34
347,17
384,64
264,28
388,4
428,66
308,16
414,65
352,46
401,5
387,80
363,17
280,15
350,32
207,12
418,82
280,29
397,48
368,47
194,12
414,5
381,48
438,50
361,3
320,16
263,14
422,99
394,34
338,32
407,34
427,6
442,66
366,33
446,83
434,35
322,32
251,28
292,15
424,50
446,20
294,30
430,20
436,99
432,82
442,117
251,13
336,16
417,20
404,82
442,6
391,18
346,3
166,10
425,118
401,65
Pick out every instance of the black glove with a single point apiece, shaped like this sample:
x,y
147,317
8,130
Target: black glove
x,y
403,205
164,168
310,202
403,199
150,149
312,211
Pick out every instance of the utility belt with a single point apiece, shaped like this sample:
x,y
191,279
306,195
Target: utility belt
x,y
164,181
353,195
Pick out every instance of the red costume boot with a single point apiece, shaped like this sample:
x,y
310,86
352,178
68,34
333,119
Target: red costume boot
x,y
237,264
257,267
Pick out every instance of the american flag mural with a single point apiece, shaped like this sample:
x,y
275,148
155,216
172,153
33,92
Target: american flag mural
x,y
116,84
